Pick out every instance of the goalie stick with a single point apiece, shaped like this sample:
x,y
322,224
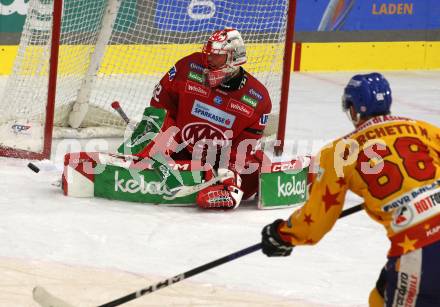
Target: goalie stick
x,y
132,125
117,107
179,191
45,299
173,180
188,190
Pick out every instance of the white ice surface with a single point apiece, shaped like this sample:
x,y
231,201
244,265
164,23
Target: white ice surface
x,y
44,234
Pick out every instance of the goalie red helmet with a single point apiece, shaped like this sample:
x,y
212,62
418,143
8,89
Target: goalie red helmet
x,y
224,53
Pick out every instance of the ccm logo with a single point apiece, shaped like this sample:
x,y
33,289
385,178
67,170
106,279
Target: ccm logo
x,y
294,165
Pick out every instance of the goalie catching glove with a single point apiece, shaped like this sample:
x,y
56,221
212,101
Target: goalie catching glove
x,y
225,195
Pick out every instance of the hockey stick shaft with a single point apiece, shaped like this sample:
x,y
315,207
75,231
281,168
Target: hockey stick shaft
x,y
188,190
180,277
351,210
45,299
202,268
117,107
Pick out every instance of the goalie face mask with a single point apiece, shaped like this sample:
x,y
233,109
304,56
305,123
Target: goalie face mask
x,y
223,54
217,71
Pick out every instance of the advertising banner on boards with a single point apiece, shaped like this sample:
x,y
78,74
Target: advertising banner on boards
x,y
318,15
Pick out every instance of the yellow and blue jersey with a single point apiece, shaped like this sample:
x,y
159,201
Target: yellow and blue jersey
x,y
393,163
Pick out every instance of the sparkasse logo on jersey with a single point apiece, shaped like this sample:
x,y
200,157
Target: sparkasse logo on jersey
x,y
212,114
249,101
240,108
197,88
196,77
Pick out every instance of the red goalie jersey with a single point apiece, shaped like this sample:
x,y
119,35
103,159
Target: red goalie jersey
x,y
234,111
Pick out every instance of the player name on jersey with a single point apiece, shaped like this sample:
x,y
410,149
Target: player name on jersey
x,y
396,129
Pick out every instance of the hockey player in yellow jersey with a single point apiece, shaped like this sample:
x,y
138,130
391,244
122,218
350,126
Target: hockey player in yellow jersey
x,y
393,163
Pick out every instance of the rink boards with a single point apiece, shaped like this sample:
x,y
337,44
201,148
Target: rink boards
x,y
156,59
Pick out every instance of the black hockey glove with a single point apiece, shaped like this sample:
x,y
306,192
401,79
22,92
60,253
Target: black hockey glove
x,y
272,244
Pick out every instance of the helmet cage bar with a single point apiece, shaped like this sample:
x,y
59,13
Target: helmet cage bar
x,y
206,54
224,42
227,41
230,61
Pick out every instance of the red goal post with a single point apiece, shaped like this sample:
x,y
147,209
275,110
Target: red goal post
x,y
77,56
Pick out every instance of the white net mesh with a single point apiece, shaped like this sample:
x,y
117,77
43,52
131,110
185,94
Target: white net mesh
x,y
119,49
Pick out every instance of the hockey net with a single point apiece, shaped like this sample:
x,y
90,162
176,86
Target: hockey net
x,y
118,50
